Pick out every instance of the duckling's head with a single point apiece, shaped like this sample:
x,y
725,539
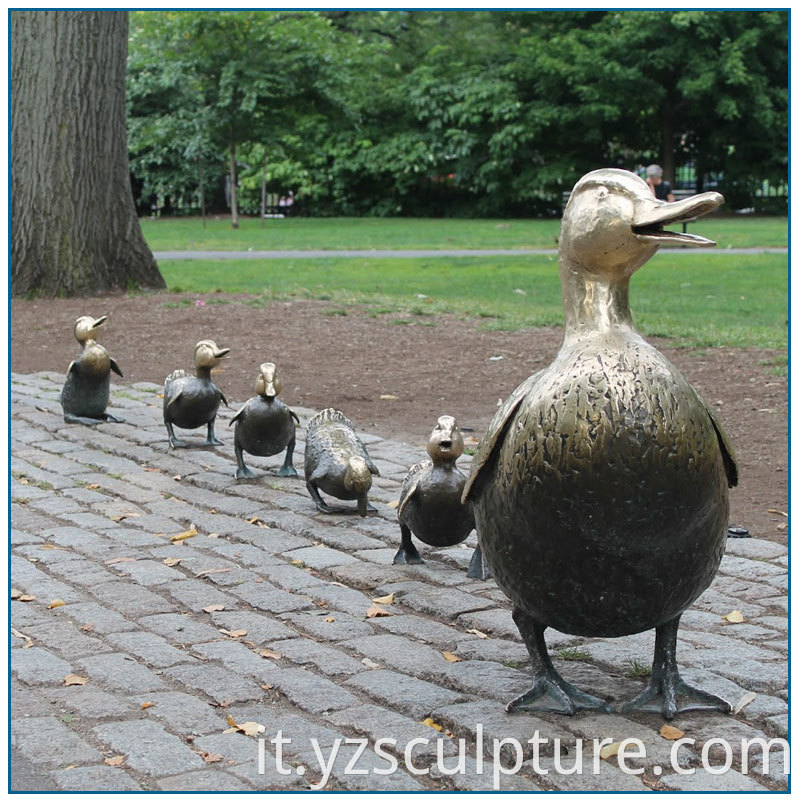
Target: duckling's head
x,y
207,355
86,328
357,479
446,443
268,383
613,224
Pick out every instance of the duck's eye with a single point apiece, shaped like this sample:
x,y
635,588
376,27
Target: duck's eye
x,y
602,193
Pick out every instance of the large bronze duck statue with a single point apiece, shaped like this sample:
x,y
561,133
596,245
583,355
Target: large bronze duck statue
x,y
600,490
265,425
84,396
430,500
337,462
191,401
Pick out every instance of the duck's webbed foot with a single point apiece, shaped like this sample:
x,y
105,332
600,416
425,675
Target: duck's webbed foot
x,y
550,692
319,502
478,566
110,418
76,420
173,440
245,472
408,553
212,440
667,692
288,471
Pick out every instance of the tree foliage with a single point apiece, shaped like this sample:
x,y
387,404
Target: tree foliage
x,y
469,112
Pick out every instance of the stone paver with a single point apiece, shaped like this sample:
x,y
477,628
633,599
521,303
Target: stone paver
x,y
262,617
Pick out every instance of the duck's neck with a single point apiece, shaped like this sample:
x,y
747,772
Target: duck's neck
x,y
594,303
204,373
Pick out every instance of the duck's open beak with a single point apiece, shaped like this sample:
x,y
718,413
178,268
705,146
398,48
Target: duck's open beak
x,y
99,321
651,217
222,353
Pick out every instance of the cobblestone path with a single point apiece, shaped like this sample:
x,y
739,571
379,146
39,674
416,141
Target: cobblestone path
x,y
262,617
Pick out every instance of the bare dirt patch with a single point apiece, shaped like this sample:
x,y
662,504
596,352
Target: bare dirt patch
x,y
329,355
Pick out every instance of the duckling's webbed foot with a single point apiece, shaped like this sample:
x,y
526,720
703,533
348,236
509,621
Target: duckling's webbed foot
x,y
478,566
109,418
550,692
173,440
408,553
319,502
667,692
212,440
76,420
288,470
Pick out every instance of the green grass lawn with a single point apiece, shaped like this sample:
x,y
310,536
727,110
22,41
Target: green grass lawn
x,y
698,300
345,233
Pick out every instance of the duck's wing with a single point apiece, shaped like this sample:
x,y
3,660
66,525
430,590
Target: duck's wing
x,y
71,366
222,396
411,483
370,466
726,448
237,415
113,364
296,418
174,397
496,432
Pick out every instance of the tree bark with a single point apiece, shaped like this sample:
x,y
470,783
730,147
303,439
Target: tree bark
x,y
74,228
234,201
668,141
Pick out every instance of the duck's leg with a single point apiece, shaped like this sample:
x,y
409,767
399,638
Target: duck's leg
x,y
288,470
211,439
550,692
479,566
408,553
319,502
242,470
173,440
666,688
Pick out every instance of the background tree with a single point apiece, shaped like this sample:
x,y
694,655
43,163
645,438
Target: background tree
x,y
74,228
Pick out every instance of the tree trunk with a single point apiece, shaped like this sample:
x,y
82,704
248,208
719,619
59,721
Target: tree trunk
x,y
202,183
263,195
234,202
668,141
74,229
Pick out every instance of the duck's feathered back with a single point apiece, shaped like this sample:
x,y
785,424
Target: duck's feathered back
x,y
173,376
326,415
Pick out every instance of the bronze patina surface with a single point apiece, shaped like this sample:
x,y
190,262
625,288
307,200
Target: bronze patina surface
x,y
337,462
430,499
265,425
84,396
191,401
601,487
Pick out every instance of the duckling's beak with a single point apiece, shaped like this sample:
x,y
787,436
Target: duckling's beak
x,y
99,321
652,215
269,390
222,352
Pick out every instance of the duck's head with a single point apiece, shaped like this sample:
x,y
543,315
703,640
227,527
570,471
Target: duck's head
x,y
268,383
446,443
357,479
613,224
86,328
207,355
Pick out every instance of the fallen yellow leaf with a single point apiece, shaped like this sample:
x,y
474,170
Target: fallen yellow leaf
x,y
209,758
120,560
146,705
212,571
431,724
210,609
179,537
115,761
237,634
377,611
451,657
92,486
386,600
389,397
393,503
247,728
670,732
368,662
57,603
479,634
747,698
734,617
26,598
28,640
171,562
330,619
609,750
88,627
777,511
75,680
16,594
267,653
266,686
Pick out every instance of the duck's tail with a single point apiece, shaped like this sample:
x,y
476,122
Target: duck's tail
x,y
326,415
173,376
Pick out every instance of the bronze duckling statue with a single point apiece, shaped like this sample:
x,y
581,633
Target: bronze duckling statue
x,y
600,490
337,462
430,500
265,425
84,396
193,400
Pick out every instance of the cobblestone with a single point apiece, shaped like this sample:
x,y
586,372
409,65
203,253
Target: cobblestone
x,y
164,677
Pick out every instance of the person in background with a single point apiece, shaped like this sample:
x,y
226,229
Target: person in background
x,y
659,187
